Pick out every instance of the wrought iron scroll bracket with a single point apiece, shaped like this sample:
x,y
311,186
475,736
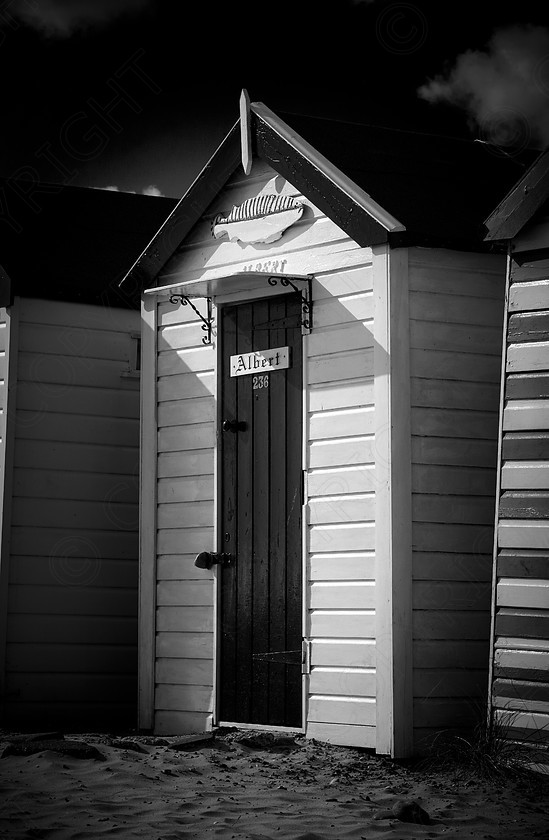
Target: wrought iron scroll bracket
x,y
305,290
207,322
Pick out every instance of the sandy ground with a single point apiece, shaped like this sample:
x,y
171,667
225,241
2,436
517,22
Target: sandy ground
x,y
248,785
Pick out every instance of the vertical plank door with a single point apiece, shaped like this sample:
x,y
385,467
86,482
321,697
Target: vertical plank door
x,y
260,605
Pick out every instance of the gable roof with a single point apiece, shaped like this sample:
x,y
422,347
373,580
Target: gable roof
x,y
378,184
73,243
521,202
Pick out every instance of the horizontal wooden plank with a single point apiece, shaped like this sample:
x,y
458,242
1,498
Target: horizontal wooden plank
x,y
185,540
180,567
82,565
531,593
342,423
455,309
70,315
346,735
76,600
523,563
181,723
337,366
428,507
198,672
179,438
342,624
186,514
438,565
83,515
76,340
458,338
529,296
347,452
442,653
525,415
341,508
525,446
189,645
186,386
184,698
71,658
340,338
448,537
458,272
176,313
120,461
185,464
325,709
77,428
440,422
73,688
61,543
58,370
528,326
352,537
344,394
451,625
525,475
336,682
342,310
514,504
341,480
525,726
189,620
187,489
107,402
519,674
185,593
451,595
455,394
351,566
445,713
338,595
527,386
523,689
452,480
49,628
523,533
184,412
343,654
531,268
524,660
519,703
180,336
445,682
454,451
465,367
62,484
526,623
172,362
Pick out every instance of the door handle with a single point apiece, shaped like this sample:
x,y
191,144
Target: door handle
x,y
207,559
234,426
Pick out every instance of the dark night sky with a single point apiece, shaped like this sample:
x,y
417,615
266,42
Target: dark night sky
x,y
179,69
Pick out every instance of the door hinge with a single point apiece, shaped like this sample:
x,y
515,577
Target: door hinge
x,y
306,656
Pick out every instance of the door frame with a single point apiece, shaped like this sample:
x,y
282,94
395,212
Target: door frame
x,y
220,301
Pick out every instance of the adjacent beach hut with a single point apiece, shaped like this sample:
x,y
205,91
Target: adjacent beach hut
x,y
69,454
321,359
520,632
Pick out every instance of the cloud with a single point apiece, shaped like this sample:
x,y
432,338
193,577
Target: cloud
x,y
152,189
62,18
504,89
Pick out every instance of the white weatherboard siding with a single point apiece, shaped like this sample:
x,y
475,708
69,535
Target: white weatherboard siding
x,y
339,520
72,625
456,311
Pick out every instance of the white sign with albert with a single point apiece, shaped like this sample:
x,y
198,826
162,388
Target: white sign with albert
x,y
260,361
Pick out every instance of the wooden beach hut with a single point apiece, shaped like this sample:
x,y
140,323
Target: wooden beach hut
x,y
520,633
69,454
321,331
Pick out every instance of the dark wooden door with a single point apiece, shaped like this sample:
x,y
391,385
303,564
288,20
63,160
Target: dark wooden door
x,y
260,606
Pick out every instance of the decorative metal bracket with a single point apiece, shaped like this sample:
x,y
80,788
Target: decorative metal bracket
x,y
207,323
305,290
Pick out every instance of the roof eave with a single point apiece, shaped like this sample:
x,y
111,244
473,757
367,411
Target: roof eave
x,y
521,202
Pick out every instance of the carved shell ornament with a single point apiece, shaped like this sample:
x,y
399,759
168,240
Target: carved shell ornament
x,y
260,219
